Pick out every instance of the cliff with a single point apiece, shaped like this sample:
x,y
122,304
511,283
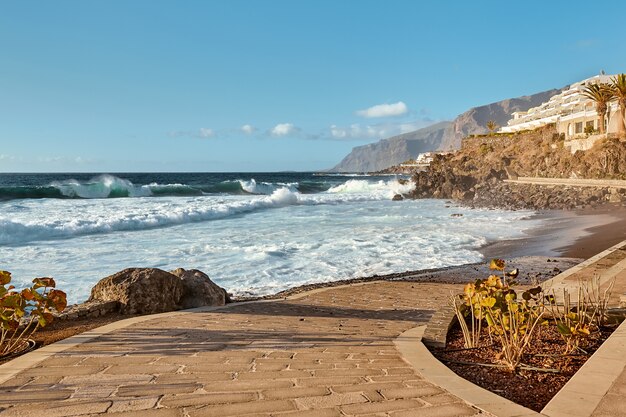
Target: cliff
x,y
441,136
392,151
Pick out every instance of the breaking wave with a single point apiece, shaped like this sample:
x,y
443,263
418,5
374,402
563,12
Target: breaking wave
x,y
120,217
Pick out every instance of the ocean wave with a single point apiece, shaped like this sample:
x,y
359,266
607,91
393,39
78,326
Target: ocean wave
x,y
110,186
390,187
103,186
118,217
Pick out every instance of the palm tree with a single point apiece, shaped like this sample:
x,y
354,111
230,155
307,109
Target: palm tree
x,y
492,126
618,86
601,94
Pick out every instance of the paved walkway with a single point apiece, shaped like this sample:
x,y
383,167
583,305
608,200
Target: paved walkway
x,y
573,182
324,353
329,353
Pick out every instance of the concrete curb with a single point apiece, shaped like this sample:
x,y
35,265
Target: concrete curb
x,y
560,278
410,346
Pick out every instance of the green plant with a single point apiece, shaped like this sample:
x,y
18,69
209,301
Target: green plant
x,y
589,130
468,310
597,299
23,312
492,126
618,90
485,149
510,320
601,94
572,323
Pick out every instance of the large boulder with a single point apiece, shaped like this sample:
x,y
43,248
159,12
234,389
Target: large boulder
x,y
199,290
140,290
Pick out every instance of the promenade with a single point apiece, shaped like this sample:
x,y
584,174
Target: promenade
x,y
351,350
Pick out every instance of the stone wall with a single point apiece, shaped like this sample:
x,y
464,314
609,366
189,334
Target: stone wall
x,y
500,140
582,144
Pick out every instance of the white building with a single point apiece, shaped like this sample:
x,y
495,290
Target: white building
x,y
570,110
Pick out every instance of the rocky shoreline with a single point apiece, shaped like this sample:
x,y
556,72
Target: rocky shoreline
x,y
474,175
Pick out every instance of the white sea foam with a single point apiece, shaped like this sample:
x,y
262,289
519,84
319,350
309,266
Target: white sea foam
x,y
267,188
122,215
250,244
387,188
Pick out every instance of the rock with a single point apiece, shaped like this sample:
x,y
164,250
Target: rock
x,y
456,215
140,290
397,197
199,290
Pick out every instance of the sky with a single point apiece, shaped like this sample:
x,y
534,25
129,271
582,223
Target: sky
x,y
273,85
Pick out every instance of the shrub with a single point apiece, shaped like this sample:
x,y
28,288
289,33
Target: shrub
x,y
512,321
23,312
485,149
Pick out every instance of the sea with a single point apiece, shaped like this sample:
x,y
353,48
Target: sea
x,y
252,233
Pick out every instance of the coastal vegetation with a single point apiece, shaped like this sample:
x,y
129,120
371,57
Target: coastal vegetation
x,y
512,317
601,95
618,88
23,312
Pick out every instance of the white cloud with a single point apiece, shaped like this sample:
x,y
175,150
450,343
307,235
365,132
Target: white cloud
x,y
283,129
202,133
206,132
248,129
377,131
384,110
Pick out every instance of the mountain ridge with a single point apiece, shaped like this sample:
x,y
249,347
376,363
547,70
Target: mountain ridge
x,y
441,136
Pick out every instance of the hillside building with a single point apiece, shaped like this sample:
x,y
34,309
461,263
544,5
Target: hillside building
x,y
570,111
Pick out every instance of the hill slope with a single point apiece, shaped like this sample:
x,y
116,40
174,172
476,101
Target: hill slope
x,y
440,136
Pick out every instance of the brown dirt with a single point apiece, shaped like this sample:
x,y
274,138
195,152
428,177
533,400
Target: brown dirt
x,y
532,389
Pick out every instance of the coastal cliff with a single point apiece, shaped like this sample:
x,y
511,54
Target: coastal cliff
x,y
442,136
475,174
387,152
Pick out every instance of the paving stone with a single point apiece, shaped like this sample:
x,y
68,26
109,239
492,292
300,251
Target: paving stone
x,y
135,404
449,410
284,393
440,399
378,407
333,400
396,393
62,361
59,371
270,406
58,409
118,360
326,412
9,398
245,376
160,412
84,380
143,369
246,385
325,382
187,400
156,389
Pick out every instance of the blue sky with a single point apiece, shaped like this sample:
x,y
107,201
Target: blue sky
x,y
114,86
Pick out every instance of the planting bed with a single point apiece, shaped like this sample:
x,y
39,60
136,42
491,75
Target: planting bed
x,y
530,388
